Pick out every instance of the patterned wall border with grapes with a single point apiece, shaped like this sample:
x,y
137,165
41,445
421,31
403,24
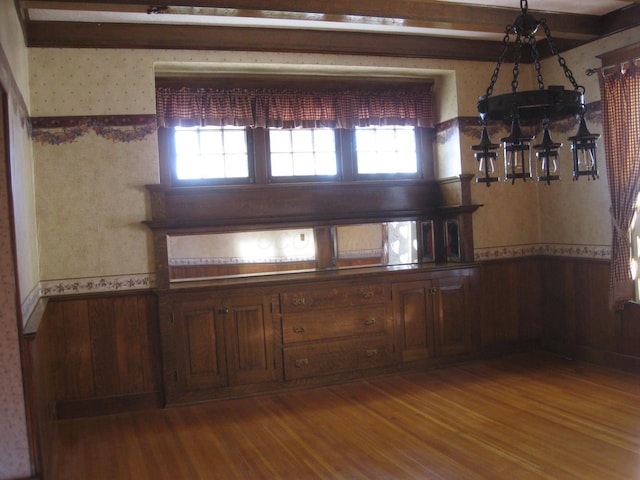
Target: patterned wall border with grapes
x,y
117,128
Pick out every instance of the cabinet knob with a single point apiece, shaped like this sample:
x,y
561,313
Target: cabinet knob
x,y
372,353
301,362
370,321
224,310
299,329
368,294
299,301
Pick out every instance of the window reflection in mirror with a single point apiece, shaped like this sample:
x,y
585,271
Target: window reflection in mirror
x,y
241,253
390,243
264,252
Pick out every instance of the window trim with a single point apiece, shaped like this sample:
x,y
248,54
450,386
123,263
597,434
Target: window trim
x,y
260,166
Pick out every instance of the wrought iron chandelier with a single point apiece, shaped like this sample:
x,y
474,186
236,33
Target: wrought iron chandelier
x,y
541,105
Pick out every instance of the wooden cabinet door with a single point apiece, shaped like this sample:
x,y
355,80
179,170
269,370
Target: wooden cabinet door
x,y
452,326
197,335
413,309
249,340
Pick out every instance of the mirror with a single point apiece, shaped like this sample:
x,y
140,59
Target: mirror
x,y
266,252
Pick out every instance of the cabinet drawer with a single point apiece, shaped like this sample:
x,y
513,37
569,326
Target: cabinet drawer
x,y
336,357
333,324
306,300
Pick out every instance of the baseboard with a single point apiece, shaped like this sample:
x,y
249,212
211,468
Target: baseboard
x,y
108,405
603,358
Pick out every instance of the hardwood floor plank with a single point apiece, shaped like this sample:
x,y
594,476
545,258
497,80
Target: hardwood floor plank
x,y
528,416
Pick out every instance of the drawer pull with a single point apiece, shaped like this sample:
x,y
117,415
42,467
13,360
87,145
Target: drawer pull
x,y
372,353
370,321
299,329
368,294
299,301
301,362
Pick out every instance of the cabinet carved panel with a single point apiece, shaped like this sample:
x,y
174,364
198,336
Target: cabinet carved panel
x,y
225,342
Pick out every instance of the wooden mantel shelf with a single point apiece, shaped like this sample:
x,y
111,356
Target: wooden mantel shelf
x,y
309,203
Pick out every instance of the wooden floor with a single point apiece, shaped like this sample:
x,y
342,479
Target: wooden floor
x,y
528,416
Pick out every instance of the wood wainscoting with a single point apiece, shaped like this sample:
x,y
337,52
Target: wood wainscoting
x,y
576,318
100,353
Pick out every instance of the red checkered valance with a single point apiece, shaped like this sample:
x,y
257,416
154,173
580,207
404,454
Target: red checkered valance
x,y
290,108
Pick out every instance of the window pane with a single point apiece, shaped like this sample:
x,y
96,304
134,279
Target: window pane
x,y
304,152
186,142
280,140
386,150
236,166
210,141
211,153
281,165
235,141
304,164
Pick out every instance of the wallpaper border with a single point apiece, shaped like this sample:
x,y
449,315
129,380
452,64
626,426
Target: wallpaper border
x,y
103,284
117,128
70,286
596,252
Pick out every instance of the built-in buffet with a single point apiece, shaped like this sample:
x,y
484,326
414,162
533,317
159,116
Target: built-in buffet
x,y
311,285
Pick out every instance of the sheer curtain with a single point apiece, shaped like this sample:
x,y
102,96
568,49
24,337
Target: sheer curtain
x,y
620,94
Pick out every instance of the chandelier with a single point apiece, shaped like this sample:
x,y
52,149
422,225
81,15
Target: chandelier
x,y
535,106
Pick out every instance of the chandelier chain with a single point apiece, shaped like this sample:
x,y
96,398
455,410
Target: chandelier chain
x,y
561,61
516,64
524,6
496,71
531,40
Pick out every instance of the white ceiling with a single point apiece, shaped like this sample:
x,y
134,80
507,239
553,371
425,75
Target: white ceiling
x,y
588,7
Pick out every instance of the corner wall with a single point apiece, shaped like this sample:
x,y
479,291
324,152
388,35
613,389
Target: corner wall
x,y
15,458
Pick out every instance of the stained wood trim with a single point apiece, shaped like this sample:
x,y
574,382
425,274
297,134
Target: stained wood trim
x,y
198,37
615,58
410,12
280,204
108,405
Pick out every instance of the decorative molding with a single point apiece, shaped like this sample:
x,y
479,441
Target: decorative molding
x,y
601,252
71,286
8,82
30,303
117,128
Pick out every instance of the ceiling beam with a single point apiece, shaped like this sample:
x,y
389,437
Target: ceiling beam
x,y
422,13
198,37
622,19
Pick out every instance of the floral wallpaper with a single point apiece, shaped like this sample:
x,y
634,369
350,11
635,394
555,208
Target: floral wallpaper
x,y
95,149
15,461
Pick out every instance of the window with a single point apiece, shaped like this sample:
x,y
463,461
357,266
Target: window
x,y
386,150
301,133
303,152
203,153
231,155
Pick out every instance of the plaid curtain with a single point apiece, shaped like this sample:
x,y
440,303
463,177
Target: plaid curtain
x,y
620,94
294,108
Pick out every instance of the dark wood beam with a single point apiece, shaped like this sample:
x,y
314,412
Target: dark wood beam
x,y
197,37
623,19
419,13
